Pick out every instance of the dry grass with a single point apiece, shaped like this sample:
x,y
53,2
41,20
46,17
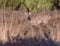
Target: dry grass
x,y
14,24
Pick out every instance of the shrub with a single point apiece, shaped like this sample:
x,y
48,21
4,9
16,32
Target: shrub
x,y
45,4
31,4
59,2
3,3
34,5
14,3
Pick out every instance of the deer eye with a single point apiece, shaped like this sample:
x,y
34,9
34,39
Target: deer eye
x,y
29,18
58,18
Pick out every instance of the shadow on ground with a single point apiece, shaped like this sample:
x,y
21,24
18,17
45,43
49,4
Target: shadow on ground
x,y
30,42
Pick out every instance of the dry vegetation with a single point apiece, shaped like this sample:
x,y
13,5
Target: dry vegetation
x,y
29,22
15,25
